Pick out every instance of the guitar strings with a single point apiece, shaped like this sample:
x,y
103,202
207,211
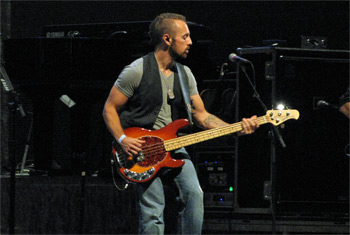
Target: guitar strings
x,y
159,148
215,132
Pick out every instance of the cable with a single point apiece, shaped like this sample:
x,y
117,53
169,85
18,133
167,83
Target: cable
x,y
114,178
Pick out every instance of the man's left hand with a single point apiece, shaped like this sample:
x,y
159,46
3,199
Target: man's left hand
x,y
249,125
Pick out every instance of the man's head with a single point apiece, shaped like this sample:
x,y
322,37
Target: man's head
x,y
171,30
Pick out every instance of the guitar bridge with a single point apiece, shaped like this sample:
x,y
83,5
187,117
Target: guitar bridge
x,y
140,157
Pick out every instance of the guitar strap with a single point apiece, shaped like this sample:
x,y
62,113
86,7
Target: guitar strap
x,y
185,91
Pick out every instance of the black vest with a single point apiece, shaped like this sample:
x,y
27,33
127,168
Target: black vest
x,y
143,107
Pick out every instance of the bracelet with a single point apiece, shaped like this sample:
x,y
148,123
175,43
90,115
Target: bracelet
x,y
121,139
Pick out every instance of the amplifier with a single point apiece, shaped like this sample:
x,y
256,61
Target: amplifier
x,y
215,169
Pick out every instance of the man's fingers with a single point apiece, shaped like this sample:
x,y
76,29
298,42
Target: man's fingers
x,y
132,146
255,122
245,126
249,125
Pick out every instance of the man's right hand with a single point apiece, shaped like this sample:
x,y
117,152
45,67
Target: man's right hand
x,y
132,146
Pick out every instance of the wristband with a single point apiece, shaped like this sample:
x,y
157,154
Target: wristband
x,y
121,138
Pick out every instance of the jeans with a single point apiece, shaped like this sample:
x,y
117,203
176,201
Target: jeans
x,y
152,202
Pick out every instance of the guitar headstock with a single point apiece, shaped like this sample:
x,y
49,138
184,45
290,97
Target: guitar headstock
x,y
277,117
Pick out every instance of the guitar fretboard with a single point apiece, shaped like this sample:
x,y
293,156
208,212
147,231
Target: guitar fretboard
x,y
195,138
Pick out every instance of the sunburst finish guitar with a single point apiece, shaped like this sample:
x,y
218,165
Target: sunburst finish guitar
x,y
155,153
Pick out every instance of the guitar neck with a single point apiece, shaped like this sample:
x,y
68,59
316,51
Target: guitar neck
x,y
206,135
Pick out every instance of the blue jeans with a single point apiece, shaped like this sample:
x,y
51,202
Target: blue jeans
x,y
152,203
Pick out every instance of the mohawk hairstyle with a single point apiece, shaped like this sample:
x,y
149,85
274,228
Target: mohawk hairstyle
x,y
162,24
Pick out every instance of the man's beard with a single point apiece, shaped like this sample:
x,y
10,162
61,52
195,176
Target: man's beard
x,y
176,55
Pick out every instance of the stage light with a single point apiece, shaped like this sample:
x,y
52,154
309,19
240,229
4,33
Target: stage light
x,y
280,107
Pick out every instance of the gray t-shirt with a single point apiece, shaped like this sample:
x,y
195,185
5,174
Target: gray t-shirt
x,y
130,78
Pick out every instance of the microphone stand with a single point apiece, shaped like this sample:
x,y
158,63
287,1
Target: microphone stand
x,y
14,106
257,96
274,134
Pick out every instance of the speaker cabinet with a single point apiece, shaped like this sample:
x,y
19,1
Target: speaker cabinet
x,y
312,172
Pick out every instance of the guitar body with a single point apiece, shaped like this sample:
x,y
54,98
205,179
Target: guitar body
x,y
152,158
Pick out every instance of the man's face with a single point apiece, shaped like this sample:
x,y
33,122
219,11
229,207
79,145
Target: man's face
x,y
181,40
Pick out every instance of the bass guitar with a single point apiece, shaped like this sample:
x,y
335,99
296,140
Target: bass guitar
x,y
155,153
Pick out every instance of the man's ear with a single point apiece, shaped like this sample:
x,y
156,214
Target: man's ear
x,y
167,38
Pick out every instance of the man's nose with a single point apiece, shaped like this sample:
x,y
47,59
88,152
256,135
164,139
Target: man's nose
x,y
190,41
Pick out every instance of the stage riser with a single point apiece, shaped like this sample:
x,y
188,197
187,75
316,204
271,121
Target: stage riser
x,y
52,205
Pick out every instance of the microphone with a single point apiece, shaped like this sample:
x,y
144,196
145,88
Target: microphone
x,y
322,104
234,58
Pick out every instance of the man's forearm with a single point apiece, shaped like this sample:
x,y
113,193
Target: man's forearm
x,y
113,123
211,121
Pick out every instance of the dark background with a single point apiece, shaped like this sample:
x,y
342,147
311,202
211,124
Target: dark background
x,y
308,171
235,23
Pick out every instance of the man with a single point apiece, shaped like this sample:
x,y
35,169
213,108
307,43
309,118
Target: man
x,y
149,91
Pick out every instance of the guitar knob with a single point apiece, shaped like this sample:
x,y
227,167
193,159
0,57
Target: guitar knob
x,y
150,171
127,172
144,176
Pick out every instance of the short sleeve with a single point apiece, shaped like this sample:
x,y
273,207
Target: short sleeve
x,y
130,77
